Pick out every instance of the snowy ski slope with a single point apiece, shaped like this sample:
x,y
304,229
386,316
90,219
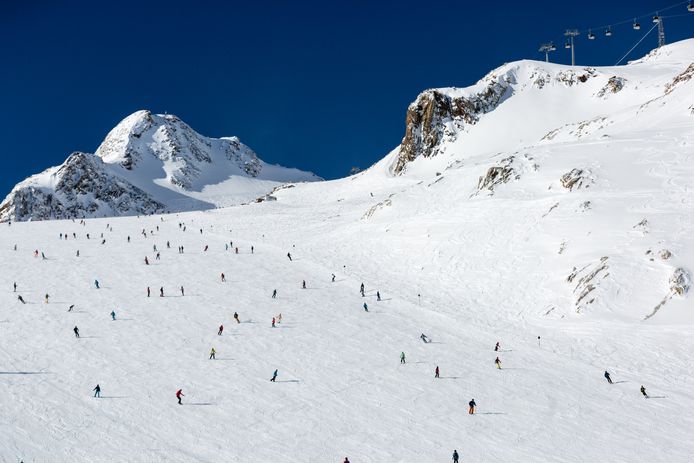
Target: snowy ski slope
x,y
341,390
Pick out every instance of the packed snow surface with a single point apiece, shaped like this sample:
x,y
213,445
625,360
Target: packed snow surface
x,y
571,243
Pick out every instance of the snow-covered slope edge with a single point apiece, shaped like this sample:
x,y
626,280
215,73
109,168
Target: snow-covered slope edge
x,y
148,163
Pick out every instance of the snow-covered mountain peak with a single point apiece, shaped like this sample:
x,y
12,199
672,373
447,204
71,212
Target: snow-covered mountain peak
x,y
143,138
519,103
160,163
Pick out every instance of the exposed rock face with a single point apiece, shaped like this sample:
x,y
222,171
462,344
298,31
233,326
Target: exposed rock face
x,y
82,188
438,114
576,178
589,278
680,78
615,84
497,175
372,210
571,77
680,283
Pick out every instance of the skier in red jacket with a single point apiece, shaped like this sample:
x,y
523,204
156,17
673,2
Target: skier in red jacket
x,y
179,394
221,328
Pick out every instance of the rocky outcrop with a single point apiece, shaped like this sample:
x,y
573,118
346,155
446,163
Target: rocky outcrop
x,y
614,84
497,175
680,283
587,280
576,178
82,187
372,210
438,115
680,78
571,77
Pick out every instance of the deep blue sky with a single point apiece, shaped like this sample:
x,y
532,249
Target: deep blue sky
x,y
321,86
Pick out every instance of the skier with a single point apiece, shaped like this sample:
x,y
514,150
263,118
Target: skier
x,y
77,332
252,250
212,354
161,292
643,391
179,394
223,278
21,299
221,328
424,338
607,377
366,307
148,291
128,238
455,456
236,250
497,347
78,253
69,309
333,278
236,317
346,460
274,293
274,376
497,362
146,261
15,286
273,322
290,256
378,296
97,391
303,284
279,318
113,315
472,405
183,293
206,247
436,372
361,290
96,284
158,256
46,298
402,357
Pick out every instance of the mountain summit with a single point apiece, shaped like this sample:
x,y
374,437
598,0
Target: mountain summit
x,y
148,163
529,103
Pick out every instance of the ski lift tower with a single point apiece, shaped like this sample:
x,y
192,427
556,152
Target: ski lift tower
x,y
571,33
661,29
546,48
